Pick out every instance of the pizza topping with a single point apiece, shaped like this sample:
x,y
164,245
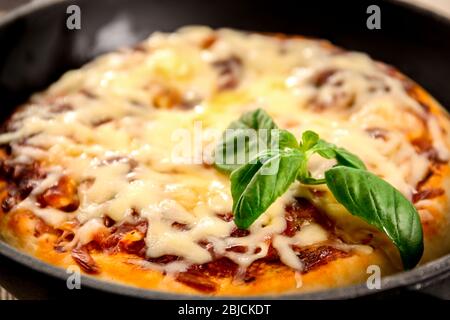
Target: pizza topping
x,y
197,280
84,260
313,257
112,129
378,133
229,72
42,228
254,188
127,237
428,194
164,97
22,178
62,196
302,212
323,76
208,41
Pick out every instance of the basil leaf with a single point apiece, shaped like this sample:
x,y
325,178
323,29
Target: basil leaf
x,y
311,143
365,195
241,141
257,119
304,176
324,149
309,140
274,159
253,133
237,146
348,159
254,187
342,156
282,139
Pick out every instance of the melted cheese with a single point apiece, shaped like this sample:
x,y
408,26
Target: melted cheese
x,y
121,121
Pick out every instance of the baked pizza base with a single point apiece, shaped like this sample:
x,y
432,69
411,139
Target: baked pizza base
x,y
263,277
326,266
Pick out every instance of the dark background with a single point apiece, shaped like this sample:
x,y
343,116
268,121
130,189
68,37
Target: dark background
x,y
410,40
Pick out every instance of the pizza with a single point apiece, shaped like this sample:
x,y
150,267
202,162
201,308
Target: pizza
x,y
112,169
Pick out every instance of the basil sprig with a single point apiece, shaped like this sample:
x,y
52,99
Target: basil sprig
x,y
311,143
256,186
255,132
263,165
381,205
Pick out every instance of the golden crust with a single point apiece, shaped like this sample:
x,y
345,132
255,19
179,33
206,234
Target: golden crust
x,y
272,278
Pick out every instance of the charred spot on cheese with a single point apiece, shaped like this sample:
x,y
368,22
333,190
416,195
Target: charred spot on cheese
x,y
164,259
22,178
427,194
84,260
302,211
229,72
164,97
88,93
238,233
132,163
100,122
167,97
62,196
413,91
314,257
339,99
377,133
208,41
42,228
61,107
127,237
107,221
140,47
323,76
197,280
424,145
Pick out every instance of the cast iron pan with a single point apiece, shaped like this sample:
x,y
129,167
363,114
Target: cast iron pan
x,y
37,47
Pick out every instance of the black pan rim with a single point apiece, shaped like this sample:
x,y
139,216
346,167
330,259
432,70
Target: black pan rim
x,y
412,279
408,279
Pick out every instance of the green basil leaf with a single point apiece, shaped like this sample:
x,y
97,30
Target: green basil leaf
x,y
311,143
254,187
348,159
365,195
309,140
242,140
324,149
282,139
253,133
257,119
237,146
342,156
